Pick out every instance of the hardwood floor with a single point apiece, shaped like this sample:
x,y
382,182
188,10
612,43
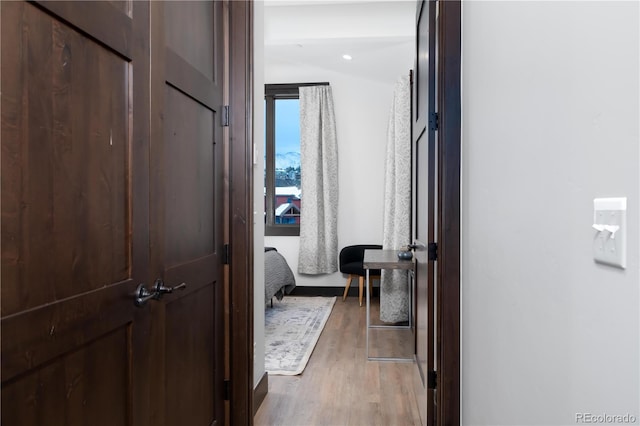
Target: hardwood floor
x,y
339,387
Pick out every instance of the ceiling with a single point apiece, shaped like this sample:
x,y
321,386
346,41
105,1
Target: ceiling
x,y
379,35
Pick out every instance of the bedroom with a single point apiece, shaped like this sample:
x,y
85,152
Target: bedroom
x,y
380,38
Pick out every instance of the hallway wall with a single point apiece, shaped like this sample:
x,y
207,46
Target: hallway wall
x,y
550,122
258,203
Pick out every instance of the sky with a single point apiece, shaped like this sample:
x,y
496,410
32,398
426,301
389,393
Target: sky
x,y
287,126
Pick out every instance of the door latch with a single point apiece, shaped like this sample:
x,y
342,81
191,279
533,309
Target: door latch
x,y
142,295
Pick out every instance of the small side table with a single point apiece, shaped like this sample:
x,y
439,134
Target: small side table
x,y
388,259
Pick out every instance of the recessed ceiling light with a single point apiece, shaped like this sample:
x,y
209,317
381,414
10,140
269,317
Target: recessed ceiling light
x,y
347,57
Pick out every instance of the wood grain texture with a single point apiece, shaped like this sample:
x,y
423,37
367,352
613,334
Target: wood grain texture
x,y
64,390
82,185
385,259
449,71
189,178
424,202
260,392
124,6
65,201
339,386
141,397
240,178
196,46
109,23
189,80
191,392
186,202
74,212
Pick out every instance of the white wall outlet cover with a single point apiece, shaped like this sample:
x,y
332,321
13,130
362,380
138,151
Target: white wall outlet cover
x,y
610,228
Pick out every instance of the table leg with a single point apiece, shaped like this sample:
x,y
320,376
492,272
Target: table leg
x,y
412,295
368,314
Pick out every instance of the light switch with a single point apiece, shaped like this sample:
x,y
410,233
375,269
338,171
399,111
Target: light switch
x,y
610,227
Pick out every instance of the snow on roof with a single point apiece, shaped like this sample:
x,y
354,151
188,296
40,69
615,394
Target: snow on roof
x,y
283,208
287,190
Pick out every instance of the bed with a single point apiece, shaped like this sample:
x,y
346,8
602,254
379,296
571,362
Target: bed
x,y
278,277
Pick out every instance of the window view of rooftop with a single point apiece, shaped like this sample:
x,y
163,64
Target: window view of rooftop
x,y
286,163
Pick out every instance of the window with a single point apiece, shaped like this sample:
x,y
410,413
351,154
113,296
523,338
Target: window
x,y
282,193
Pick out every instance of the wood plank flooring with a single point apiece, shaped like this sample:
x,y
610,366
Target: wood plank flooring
x,y
339,387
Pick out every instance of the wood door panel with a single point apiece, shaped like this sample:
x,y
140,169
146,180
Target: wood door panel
x,y
124,6
187,210
73,236
64,392
421,235
189,181
107,23
112,176
421,83
198,45
190,358
422,183
423,203
65,198
36,336
197,272
187,79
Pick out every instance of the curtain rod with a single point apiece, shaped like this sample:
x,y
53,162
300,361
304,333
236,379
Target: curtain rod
x,y
299,84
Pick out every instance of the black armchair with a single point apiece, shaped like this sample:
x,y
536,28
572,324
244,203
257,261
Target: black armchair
x,y
350,261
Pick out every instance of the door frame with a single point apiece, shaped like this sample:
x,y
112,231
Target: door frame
x,y
449,158
240,212
240,176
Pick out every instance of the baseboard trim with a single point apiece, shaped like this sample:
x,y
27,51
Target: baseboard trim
x,y
330,291
260,392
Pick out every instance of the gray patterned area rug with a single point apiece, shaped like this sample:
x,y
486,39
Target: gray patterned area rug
x,y
291,329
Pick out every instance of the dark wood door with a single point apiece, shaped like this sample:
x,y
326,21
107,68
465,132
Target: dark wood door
x,y
75,221
187,233
111,177
424,195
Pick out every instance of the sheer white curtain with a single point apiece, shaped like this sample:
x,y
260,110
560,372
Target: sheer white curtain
x,y
394,292
319,181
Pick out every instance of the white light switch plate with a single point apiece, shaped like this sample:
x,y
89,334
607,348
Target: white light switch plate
x,y
610,228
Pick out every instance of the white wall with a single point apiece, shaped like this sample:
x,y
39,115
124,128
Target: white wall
x,y
362,112
258,204
550,122
307,20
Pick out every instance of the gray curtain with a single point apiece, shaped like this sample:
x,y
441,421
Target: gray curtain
x,y
319,181
394,292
